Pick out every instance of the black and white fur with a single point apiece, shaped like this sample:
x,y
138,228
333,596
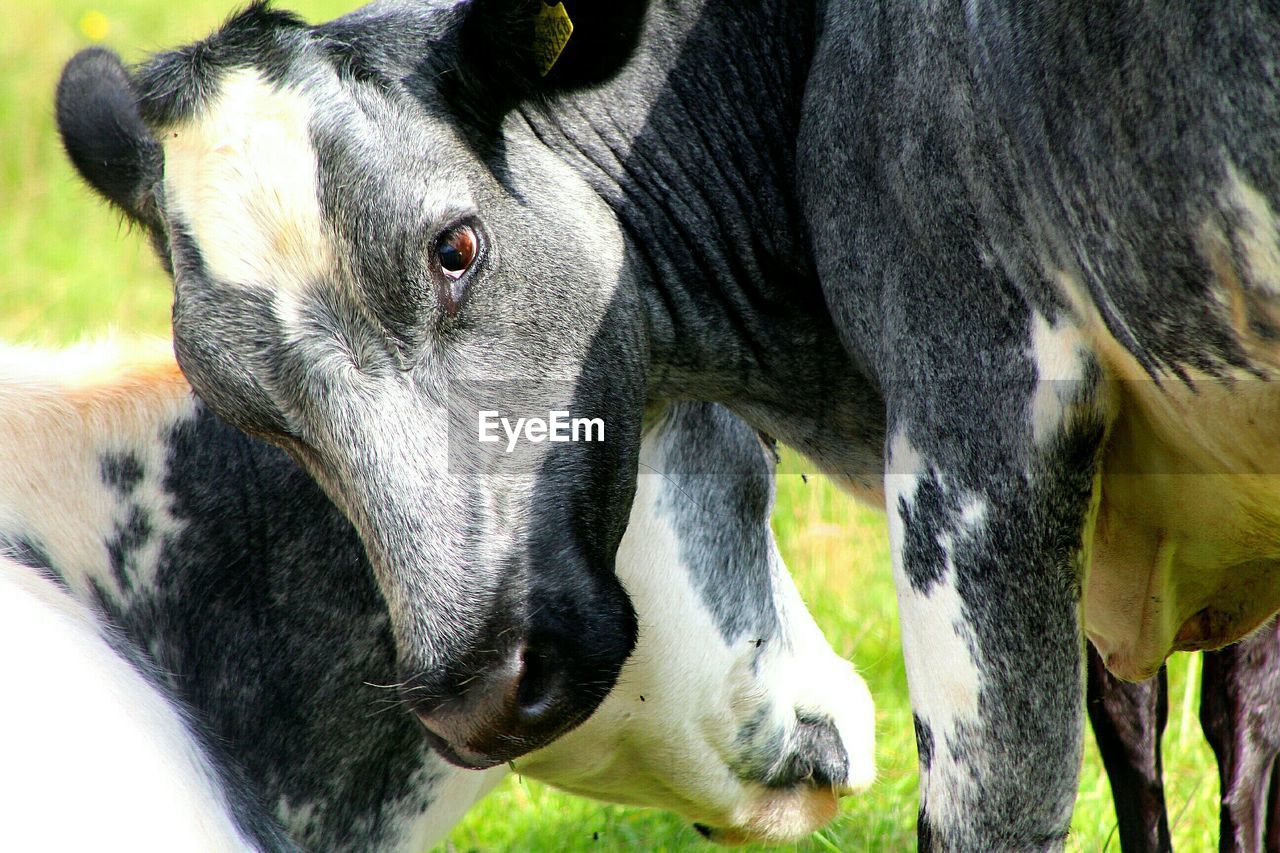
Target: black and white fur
x,y
1010,265
218,617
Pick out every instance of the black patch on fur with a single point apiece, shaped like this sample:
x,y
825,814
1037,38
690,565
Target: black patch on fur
x,y
121,471
924,742
924,832
24,552
248,811
126,540
932,512
27,553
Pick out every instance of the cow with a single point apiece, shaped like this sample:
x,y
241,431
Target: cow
x,y
1006,265
221,615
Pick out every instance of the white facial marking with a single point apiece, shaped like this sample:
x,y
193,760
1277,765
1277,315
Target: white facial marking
x,y
1058,354
243,176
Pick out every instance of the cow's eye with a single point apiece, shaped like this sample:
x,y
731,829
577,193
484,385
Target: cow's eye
x,y
456,250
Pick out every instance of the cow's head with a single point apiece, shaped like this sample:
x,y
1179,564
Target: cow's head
x,y
368,252
734,710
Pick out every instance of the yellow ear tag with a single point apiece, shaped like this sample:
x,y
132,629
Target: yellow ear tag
x,y
551,31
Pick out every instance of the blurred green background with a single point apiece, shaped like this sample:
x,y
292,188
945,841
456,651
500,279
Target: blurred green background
x,y
70,268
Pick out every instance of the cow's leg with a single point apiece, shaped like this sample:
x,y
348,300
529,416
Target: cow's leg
x,y
1128,721
990,487
1273,809
1240,715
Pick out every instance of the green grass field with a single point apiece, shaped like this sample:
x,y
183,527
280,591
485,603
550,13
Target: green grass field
x,y
69,268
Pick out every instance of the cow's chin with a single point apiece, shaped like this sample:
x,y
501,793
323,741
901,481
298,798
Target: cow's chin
x,y
779,816
744,812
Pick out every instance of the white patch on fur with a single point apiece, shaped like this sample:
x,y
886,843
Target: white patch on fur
x,y
973,513
1256,233
59,414
298,819
1058,353
804,665
243,176
903,468
942,671
943,677
110,765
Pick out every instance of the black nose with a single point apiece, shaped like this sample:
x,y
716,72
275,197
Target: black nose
x,y
519,705
816,756
519,682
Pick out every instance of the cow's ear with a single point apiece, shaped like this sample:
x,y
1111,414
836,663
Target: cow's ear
x,y
104,135
515,48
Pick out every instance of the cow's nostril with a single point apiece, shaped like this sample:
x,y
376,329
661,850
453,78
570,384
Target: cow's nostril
x,y
505,711
540,682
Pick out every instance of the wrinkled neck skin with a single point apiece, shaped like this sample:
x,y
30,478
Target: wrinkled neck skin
x,y
700,172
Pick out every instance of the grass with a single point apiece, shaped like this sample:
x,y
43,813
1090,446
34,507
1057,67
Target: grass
x,y
69,268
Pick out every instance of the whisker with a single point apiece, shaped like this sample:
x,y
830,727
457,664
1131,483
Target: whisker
x,y
398,686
